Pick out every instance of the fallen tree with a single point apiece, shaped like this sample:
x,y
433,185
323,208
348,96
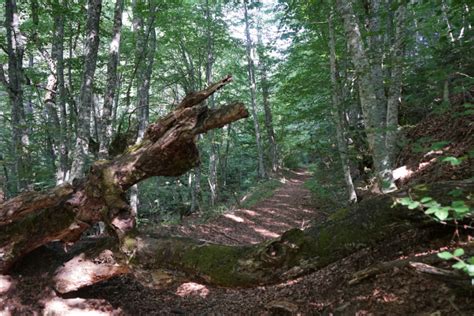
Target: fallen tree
x,y
295,253
168,149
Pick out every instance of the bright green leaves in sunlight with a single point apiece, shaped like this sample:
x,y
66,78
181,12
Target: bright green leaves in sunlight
x,y
464,265
457,210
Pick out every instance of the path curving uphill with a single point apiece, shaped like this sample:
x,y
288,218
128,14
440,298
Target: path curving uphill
x,y
289,207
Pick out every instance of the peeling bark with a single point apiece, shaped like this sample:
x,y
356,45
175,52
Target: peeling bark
x,y
168,149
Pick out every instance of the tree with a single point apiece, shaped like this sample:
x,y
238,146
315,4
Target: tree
x,y
16,43
252,88
65,212
337,113
91,47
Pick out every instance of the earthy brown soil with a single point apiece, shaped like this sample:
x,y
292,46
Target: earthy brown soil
x,y
398,291
289,207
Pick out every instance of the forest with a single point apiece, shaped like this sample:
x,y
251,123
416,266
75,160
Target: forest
x,y
218,157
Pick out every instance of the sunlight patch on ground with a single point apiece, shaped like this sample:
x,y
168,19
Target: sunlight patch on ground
x,y
5,283
249,212
266,233
71,307
234,218
191,288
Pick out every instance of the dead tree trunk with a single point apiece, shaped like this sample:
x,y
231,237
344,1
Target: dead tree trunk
x,y
168,149
295,253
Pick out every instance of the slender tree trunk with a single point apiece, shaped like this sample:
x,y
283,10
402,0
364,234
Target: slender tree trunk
x,y
57,54
105,134
395,87
252,85
84,107
273,153
146,47
337,113
15,47
213,157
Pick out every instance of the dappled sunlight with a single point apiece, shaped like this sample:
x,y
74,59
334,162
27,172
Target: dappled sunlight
x,y
266,233
192,289
6,283
404,173
234,218
76,307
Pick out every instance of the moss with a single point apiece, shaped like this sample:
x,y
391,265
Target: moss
x,y
218,264
339,214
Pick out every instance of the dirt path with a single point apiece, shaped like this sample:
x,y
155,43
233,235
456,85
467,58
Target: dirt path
x,y
288,207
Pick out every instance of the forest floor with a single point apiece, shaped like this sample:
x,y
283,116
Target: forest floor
x,y
395,291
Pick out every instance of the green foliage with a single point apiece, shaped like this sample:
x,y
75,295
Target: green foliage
x,y
464,265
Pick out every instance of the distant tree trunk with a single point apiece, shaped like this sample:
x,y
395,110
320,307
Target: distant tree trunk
x,y
273,153
15,48
57,54
105,134
84,106
145,53
252,85
337,114
213,157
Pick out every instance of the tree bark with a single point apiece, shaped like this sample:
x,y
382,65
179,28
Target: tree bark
x,y
337,114
112,82
16,43
252,85
395,86
168,149
213,157
369,93
145,47
84,107
273,153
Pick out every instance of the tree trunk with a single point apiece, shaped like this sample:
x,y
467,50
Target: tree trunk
x,y
374,112
273,153
337,114
252,85
146,47
112,82
168,149
395,86
293,254
84,107
15,47
213,158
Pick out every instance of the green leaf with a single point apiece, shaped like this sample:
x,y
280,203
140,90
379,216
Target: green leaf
x,y
439,145
459,207
406,201
452,160
426,199
459,265
455,192
471,260
413,205
458,252
470,269
442,213
446,255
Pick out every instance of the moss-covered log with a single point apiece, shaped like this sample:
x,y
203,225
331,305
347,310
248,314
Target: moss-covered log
x,y
64,213
296,252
